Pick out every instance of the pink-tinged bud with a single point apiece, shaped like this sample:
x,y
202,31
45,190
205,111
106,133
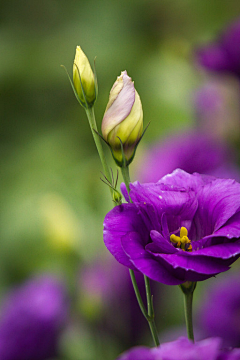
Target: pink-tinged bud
x,y
123,119
85,88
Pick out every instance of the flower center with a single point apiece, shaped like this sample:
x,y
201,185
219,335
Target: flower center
x,y
182,241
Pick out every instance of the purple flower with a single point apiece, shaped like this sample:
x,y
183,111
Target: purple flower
x,y
217,109
31,320
224,54
104,287
183,349
182,228
199,153
219,314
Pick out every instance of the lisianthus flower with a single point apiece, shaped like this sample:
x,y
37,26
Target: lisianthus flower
x,y
183,349
220,310
32,318
223,55
182,228
199,153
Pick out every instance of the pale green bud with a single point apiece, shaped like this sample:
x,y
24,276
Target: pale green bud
x,y
123,119
117,197
82,68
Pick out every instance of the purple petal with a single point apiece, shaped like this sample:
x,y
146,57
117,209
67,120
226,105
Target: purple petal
x,y
154,200
218,202
231,229
124,191
138,353
182,179
221,251
146,263
184,349
121,220
213,57
160,244
189,262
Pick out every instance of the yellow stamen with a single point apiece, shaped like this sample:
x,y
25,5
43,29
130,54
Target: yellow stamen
x,y
181,240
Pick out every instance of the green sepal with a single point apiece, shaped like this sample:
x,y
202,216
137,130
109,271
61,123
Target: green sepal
x,y
95,78
188,287
85,104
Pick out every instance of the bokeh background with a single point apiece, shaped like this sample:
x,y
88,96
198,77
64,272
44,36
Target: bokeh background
x,y
52,200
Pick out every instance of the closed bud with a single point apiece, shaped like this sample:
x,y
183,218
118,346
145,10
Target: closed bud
x,y
117,197
123,119
83,79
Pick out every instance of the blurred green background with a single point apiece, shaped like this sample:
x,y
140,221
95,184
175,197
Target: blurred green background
x,y
52,200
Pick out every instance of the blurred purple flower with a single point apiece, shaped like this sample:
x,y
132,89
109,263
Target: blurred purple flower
x,y
183,349
182,228
32,318
192,151
104,288
224,54
217,109
219,314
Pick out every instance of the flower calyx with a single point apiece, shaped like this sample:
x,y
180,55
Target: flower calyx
x,y
116,195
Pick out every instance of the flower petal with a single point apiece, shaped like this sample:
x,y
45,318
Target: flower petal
x,y
160,244
154,200
182,179
189,262
221,251
144,262
120,221
115,112
218,202
124,191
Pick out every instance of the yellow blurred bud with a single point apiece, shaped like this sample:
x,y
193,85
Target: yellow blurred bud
x,y
60,224
123,119
82,69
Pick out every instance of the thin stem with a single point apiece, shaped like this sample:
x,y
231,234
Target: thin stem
x,y
126,176
149,296
188,298
137,293
151,314
188,289
154,332
148,314
93,126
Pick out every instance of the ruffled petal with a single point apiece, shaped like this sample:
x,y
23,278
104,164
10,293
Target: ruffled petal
x,y
144,262
218,201
220,251
199,264
160,244
181,179
231,228
154,200
121,220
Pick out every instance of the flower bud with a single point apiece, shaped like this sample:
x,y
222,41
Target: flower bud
x,y
81,68
123,119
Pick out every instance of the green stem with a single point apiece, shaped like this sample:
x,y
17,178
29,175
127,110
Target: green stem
x,y
93,126
137,293
149,297
151,314
148,314
188,289
126,176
